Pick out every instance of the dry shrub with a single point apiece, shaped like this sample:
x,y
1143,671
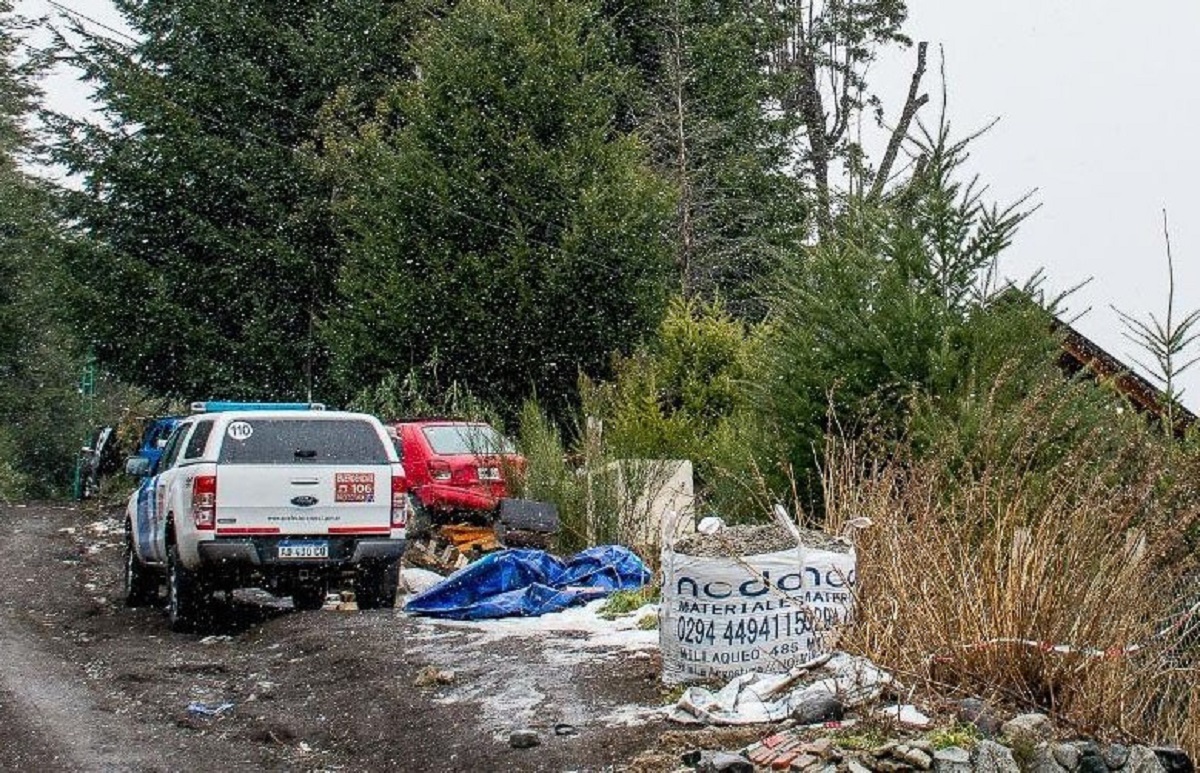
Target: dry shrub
x,y
1036,560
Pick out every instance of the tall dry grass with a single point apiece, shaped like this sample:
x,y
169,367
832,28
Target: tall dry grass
x,y
1038,560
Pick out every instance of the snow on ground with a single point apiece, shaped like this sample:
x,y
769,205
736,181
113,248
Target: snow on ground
x,y
548,683
619,633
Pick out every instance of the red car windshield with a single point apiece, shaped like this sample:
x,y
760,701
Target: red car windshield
x,y
459,439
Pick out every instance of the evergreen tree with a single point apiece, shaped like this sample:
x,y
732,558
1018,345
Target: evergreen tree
x,y
728,153
40,411
748,107
500,226
211,253
896,305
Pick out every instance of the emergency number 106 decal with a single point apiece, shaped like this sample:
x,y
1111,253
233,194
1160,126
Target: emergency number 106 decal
x,y
354,487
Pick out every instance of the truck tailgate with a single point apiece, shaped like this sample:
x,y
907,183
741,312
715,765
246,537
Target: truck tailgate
x,y
308,500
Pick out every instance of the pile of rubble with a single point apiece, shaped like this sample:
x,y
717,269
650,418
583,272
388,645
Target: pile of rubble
x,y
788,751
756,539
827,714
1025,745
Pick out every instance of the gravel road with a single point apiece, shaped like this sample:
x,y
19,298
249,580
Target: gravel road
x,y
87,684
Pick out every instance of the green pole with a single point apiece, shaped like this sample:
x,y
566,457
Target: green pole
x,y
87,388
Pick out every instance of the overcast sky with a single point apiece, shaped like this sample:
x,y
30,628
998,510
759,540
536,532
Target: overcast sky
x,y
1098,107
1097,104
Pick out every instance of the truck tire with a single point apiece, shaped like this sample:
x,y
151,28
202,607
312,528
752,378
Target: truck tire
x,y
141,585
308,597
184,600
375,585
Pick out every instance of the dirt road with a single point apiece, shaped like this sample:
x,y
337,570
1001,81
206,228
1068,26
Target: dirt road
x,y
87,684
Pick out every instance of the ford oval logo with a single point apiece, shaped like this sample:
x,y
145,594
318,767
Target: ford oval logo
x,y
304,501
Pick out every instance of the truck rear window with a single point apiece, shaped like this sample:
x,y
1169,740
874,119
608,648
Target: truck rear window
x,y
301,441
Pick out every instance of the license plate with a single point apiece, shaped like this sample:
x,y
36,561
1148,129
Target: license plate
x,y
489,473
308,549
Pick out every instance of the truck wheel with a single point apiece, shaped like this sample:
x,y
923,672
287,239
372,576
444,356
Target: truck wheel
x,y
183,595
308,597
375,585
141,585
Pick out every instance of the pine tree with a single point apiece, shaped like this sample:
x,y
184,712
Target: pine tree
x,y
209,252
40,412
501,227
709,95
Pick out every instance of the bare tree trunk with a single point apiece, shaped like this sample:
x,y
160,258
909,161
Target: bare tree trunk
x,y
911,105
683,170
812,113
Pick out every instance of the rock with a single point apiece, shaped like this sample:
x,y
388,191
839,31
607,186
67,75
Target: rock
x,y
433,675
1044,761
1066,755
1029,727
890,765
915,757
802,761
562,728
1090,760
1115,755
854,766
1174,759
905,715
866,761
952,759
975,712
885,750
723,762
923,744
523,739
1143,760
818,706
991,757
824,747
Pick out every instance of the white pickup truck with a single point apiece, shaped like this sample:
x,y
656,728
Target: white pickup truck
x,y
284,496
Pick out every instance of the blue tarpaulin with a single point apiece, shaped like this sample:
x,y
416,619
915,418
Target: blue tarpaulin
x,y
528,583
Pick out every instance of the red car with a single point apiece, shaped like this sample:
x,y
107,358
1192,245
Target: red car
x,y
456,467
459,473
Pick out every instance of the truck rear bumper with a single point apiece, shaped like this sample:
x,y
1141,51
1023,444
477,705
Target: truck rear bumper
x,y
264,552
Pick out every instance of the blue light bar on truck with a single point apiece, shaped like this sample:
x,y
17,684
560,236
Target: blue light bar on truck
x,y
219,406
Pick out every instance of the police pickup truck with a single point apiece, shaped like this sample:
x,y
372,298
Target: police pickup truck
x,y
284,496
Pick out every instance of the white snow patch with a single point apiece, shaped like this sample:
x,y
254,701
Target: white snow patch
x,y
514,692
619,633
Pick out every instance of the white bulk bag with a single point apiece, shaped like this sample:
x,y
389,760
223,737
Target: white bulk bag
x,y
722,617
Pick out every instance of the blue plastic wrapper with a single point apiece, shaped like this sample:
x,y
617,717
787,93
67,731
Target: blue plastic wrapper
x,y
529,583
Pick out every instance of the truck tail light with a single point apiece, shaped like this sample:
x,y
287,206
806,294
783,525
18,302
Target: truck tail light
x,y
399,502
204,502
439,470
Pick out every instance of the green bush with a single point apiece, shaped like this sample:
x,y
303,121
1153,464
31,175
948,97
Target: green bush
x,y
13,483
685,396
412,396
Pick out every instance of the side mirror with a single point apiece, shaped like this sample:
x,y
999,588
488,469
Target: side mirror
x,y
137,466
